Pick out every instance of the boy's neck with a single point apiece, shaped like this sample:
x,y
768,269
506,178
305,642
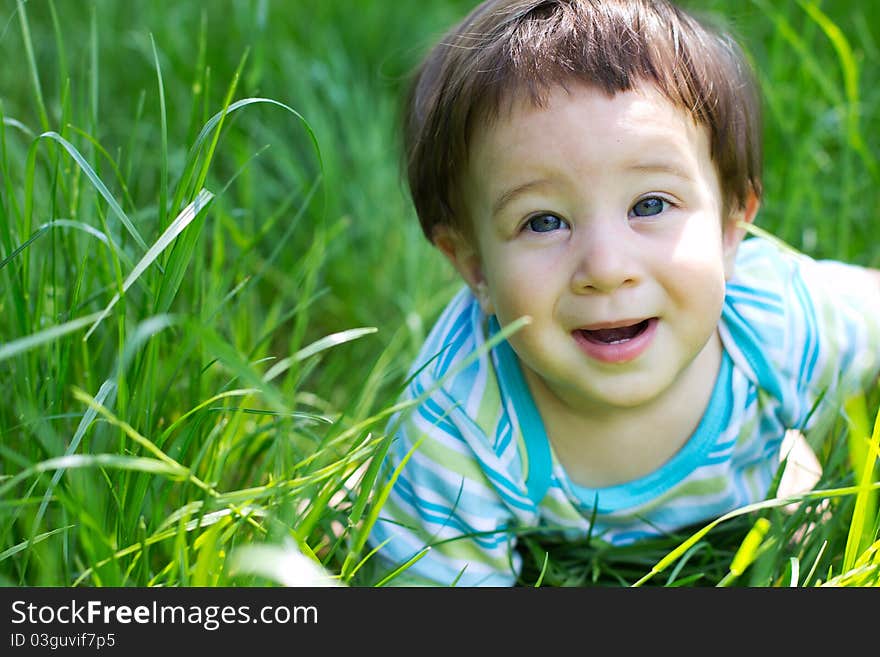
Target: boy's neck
x,y
604,449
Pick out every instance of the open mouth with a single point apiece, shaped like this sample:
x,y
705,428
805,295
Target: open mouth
x,y
615,335
617,342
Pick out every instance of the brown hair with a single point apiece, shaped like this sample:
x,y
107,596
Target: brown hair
x,y
505,47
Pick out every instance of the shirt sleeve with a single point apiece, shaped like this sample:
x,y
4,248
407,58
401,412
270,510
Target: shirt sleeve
x,y
833,332
807,330
441,503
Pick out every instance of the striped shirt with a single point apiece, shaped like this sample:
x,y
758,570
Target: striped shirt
x,y
478,467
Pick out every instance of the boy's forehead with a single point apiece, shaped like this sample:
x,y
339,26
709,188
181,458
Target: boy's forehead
x,y
642,109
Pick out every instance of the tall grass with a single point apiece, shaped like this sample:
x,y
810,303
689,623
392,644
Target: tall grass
x,y
212,284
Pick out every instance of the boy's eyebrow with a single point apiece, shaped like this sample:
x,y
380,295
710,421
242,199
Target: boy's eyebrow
x,y
513,192
661,167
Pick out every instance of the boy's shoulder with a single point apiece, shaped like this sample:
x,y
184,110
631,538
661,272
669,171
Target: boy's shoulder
x,y
762,262
756,313
454,365
773,282
455,335
796,325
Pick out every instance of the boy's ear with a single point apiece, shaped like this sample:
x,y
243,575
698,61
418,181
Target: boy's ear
x,y
463,255
734,231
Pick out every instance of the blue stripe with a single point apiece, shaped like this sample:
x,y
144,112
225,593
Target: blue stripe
x,y
506,489
691,513
754,303
461,387
715,458
852,345
811,350
437,514
772,447
451,490
744,336
505,434
746,292
455,338
513,386
433,413
509,492
403,547
751,397
625,538
450,315
724,447
445,517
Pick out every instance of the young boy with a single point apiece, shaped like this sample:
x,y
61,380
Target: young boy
x,y
590,165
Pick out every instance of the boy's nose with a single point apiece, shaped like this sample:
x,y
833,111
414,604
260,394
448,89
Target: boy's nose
x,y
603,263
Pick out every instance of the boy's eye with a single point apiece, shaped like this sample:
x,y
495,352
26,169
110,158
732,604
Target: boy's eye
x,y
648,207
544,223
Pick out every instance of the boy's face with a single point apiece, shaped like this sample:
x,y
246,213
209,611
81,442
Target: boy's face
x,y
600,218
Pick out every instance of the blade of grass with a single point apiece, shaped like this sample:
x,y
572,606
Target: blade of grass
x,y
540,579
367,557
747,551
96,145
77,461
316,347
361,535
177,226
10,349
390,576
21,247
795,571
27,545
32,65
93,232
163,132
17,285
860,532
90,174
368,481
18,125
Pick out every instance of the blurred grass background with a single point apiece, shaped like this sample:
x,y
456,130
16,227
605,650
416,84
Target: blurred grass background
x,y
230,391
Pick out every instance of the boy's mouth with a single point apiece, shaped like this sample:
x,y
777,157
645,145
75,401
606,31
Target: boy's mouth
x,y
617,342
615,334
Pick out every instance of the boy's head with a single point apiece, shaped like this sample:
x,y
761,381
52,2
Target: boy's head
x,y
584,163
506,50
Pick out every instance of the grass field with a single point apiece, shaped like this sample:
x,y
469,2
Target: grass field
x,y
212,284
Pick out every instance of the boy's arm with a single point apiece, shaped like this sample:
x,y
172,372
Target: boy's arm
x,y
818,326
836,312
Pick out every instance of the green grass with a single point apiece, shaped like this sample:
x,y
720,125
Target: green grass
x,y
193,375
